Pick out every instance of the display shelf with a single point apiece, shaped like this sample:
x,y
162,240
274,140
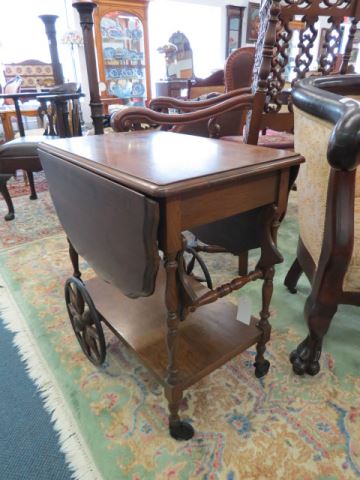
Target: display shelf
x,y
122,45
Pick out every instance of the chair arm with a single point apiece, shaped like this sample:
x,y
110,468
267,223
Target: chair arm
x,y
63,97
19,96
16,97
161,103
315,96
131,118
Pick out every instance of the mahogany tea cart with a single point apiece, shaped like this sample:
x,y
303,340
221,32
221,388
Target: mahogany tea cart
x,y
121,199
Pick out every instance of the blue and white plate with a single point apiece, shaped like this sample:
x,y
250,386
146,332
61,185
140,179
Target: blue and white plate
x,y
109,53
138,89
115,33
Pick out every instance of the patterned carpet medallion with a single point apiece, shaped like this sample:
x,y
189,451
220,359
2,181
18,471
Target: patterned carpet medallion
x,y
278,427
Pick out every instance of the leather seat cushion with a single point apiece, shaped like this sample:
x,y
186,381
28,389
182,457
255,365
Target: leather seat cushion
x,y
21,153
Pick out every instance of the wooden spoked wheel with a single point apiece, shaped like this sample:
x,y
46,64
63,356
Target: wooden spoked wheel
x,y
85,320
191,264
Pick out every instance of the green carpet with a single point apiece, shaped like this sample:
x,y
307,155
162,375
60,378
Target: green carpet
x,y
278,427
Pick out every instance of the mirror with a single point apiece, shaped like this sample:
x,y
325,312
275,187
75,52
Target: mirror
x,y
180,62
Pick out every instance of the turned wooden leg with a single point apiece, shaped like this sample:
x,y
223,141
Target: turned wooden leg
x,y
305,358
5,193
293,275
172,304
261,364
74,257
270,255
179,430
33,195
243,259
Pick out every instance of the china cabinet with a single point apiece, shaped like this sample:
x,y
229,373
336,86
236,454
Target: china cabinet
x,y
121,36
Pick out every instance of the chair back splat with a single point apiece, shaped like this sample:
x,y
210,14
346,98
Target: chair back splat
x,y
304,17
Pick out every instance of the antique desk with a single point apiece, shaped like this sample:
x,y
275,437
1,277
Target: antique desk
x,y
121,199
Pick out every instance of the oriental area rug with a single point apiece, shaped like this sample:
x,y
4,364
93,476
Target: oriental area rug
x,y
112,421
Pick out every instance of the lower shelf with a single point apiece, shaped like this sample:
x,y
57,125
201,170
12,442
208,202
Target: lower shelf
x,y
208,338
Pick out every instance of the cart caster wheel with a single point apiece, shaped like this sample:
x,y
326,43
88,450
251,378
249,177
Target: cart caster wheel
x,y
85,320
261,369
181,430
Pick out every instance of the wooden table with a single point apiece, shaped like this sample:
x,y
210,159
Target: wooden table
x,y
183,181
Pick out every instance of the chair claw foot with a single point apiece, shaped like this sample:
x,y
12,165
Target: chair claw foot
x,y
305,359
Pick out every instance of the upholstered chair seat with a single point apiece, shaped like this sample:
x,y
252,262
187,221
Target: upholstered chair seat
x,y
18,154
271,139
21,153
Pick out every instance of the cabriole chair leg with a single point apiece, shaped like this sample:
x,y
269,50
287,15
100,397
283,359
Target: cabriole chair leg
x,y
5,193
33,195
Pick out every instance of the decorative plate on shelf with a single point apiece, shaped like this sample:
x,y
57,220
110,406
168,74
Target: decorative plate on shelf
x,y
108,22
121,53
115,33
136,34
109,53
138,89
104,33
113,73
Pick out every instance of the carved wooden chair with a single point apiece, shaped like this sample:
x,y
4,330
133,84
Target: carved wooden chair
x,y
200,86
273,110
237,75
327,125
305,16
21,153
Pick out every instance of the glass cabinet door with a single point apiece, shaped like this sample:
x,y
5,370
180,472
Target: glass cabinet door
x,y
124,57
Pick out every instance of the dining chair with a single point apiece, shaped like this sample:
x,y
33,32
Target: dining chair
x,y
21,153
